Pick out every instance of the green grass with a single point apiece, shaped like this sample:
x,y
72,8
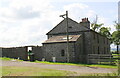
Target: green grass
x,y
35,71
75,64
0,71
88,65
5,58
9,59
32,71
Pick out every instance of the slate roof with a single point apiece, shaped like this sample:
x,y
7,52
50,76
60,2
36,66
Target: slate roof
x,y
61,27
58,39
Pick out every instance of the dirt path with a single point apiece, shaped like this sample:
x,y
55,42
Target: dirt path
x,y
78,69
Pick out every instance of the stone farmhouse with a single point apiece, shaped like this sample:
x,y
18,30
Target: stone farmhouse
x,y
82,41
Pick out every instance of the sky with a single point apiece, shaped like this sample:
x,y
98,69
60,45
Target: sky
x,y
26,22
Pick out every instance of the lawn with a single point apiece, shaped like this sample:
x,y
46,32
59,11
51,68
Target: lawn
x,y
32,71
35,71
78,64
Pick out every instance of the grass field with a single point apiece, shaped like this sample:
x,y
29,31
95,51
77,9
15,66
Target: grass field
x,y
32,71
35,71
90,65
76,64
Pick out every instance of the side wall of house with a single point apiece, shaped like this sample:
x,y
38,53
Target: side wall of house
x,y
54,50
100,44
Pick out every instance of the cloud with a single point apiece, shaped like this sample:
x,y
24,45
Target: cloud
x,y
78,11
26,22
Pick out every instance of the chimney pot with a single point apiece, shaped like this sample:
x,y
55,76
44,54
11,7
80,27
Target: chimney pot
x,y
85,20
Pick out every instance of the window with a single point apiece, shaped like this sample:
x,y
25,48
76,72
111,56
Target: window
x,y
97,38
98,50
107,50
107,41
104,51
65,38
93,49
70,27
93,35
104,40
62,52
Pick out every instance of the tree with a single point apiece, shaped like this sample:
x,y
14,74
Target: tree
x,y
102,30
116,36
116,39
95,27
105,32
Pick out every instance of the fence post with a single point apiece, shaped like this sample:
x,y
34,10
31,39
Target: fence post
x,y
111,60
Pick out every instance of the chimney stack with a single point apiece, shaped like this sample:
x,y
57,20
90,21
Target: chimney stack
x,y
84,19
85,22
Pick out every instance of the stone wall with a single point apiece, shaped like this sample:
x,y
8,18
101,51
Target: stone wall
x,y
0,52
54,50
15,52
100,44
38,52
79,51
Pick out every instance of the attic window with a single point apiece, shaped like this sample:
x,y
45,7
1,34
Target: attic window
x,y
65,38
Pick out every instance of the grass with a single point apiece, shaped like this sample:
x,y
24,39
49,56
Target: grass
x,y
75,64
9,59
32,71
57,63
35,71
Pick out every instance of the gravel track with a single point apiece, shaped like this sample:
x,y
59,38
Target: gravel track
x,y
77,69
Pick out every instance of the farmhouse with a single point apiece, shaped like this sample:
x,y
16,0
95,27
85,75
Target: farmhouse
x,y
82,41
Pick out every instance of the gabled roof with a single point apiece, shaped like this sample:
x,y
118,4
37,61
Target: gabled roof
x,y
72,25
63,38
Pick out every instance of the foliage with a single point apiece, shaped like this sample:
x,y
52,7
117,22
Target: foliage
x,y
102,30
116,37
95,27
105,32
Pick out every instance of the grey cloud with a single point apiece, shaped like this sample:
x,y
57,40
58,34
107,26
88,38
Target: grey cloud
x,y
26,13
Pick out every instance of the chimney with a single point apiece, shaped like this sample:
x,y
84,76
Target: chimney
x,y
85,22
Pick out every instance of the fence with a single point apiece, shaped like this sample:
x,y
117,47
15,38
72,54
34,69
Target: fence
x,y
102,58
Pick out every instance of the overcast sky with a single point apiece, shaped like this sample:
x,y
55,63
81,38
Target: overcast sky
x,y
26,22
